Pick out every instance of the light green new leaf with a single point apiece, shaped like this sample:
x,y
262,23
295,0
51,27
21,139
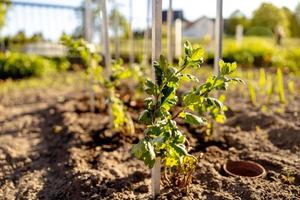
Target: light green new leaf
x,y
197,54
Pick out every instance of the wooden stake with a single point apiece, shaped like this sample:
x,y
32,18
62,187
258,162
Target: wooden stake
x,y
146,35
155,178
156,51
239,33
107,57
218,36
88,38
169,33
178,37
87,21
116,30
131,42
105,37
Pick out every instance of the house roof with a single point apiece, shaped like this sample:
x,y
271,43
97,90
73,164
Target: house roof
x,y
177,14
190,24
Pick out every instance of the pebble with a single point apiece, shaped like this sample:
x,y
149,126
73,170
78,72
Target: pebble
x,y
142,189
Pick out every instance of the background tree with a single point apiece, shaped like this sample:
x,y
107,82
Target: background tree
x,y
294,25
123,25
270,16
3,10
236,18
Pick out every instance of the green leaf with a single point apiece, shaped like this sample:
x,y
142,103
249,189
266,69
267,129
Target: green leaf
x,y
179,148
153,130
167,91
197,54
187,48
148,102
145,117
238,80
232,67
171,74
163,63
193,119
150,87
192,77
144,151
214,101
158,73
190,98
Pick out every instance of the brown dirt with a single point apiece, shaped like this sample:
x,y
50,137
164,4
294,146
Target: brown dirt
x,y
52,147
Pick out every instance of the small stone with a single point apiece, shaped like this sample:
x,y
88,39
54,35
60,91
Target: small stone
x,y
142,189
57,129
115,172
216,185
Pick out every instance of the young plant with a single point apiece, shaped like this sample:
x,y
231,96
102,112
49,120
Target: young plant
x,y
162,136
121,119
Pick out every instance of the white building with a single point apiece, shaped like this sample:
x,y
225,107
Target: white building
x,y
45,49
202,27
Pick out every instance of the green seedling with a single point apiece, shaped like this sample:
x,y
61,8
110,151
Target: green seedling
x,y
280,86
270,88
288,175
163,139
252,94
262,78
291,87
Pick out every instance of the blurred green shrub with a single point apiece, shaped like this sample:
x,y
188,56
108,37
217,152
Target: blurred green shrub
x,y
18,65
288,58
259,52
259,31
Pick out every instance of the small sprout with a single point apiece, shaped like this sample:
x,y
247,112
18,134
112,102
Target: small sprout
x,y
280,86
288,175
262,78
291,87
252,94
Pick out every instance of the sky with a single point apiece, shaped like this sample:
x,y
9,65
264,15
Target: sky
x,y
53,22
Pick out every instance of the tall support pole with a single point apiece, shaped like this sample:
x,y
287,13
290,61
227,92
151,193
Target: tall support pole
x,y
131,42
116,32
178,38
156,51
169,32
107,57
105,37
88,37
218,36
239,33
146,34
87,21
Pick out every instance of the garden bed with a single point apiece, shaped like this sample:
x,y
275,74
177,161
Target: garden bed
x,y
52,147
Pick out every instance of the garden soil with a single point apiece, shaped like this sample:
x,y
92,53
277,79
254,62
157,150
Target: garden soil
x,y
53,147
